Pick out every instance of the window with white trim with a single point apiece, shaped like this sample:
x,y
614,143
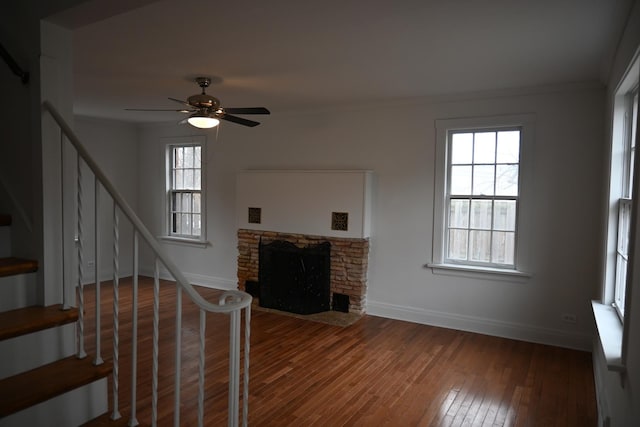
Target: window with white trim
x,y
184,195
479,188
625,143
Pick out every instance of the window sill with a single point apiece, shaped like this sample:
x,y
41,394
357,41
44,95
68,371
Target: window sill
x,y
475,272
184,241
610,335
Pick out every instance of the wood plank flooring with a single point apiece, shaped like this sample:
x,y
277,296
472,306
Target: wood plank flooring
x,y
378,372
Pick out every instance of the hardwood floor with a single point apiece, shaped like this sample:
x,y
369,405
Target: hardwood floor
x,y
378,372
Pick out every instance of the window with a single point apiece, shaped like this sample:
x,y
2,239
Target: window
x,y
625,144
482,197
480,180
185,199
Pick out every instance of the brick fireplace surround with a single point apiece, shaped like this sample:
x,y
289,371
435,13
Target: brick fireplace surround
x,y
349,262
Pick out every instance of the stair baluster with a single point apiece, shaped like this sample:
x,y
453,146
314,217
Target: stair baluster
x,y
116,312
81,351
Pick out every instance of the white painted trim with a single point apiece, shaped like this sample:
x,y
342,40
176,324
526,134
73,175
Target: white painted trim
x,y
481,325
523,233
475,272
610,335
195,279
200,140
184,241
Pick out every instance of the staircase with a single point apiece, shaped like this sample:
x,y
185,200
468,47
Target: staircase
x,y
46,377
34,388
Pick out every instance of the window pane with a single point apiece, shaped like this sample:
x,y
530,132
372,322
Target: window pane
x,y
481,214
174,223
178,156
185,224
175,202
458,244
508,147
480,245
188,179
483,180
620,282
179,182
507,180
484,148
502,248
186,202
196,203
197,183
196,225
197,157
461,148
460,180
188,157
504,215
459,214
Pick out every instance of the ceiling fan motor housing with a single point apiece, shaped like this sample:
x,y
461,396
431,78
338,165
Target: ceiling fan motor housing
x,y
202,100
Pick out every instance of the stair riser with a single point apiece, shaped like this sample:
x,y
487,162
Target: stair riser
x,y
18,291
30,351
70,409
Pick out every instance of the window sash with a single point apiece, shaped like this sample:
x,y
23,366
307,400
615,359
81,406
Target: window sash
x,y
185,191
622,254
503,259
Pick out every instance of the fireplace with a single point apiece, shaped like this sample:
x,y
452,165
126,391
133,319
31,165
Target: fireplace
x,y
294,279
307,208
349,259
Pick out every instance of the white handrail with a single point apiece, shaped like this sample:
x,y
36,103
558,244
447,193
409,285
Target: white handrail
x,y
231,302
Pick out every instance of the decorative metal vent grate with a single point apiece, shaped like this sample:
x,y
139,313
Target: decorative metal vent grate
x,y
340,221
255,215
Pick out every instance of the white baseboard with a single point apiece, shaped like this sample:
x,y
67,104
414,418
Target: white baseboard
x,y
481,325
195,279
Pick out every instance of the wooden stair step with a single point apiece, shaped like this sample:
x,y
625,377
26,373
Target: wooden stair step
x,y
106,421
5,220
38,385
12,266
26,320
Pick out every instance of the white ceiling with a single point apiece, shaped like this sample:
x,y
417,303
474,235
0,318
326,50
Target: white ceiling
x,y
290,54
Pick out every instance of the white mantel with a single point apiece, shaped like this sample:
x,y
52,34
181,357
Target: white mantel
x,y
302,201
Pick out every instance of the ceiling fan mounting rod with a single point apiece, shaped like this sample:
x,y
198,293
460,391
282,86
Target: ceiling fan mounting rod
x,y
203,82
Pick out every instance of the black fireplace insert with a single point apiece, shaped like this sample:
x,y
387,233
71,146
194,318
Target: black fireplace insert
x,y
295,279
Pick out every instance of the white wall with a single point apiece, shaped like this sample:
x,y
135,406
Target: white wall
x,y
114,145
620,393
398,144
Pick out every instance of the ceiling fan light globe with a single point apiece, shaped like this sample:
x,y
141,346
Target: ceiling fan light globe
x,y
203,122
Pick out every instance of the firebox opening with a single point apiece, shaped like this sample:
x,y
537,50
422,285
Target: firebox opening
x,y
295,279
340,302
253,288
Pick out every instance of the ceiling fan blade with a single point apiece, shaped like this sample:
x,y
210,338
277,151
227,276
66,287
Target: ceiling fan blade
x,y
184,110
181,102
238,120
247,110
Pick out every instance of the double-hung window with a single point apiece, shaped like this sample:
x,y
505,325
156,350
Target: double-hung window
x,y
184,196
628,112
479,184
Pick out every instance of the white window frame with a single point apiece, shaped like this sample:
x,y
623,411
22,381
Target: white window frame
x,y
169,236
613,331
440,264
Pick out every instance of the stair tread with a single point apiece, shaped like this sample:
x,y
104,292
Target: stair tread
x,y
5,220
38,385
11,266
26,320
105,420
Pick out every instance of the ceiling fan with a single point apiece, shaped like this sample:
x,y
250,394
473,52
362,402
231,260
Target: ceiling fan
x,y
205,110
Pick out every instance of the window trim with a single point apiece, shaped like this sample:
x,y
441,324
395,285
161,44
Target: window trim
x,y
199,241
439,262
